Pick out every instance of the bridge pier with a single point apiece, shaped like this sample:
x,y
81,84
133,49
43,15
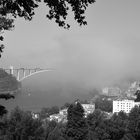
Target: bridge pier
x,y
18,74
30,71
24,73
11,70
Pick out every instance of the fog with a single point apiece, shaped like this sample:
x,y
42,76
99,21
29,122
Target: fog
x,y
104,53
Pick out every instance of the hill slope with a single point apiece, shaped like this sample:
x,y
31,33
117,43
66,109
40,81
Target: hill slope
x,y
8,83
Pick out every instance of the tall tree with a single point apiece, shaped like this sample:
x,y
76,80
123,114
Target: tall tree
x,y
76,127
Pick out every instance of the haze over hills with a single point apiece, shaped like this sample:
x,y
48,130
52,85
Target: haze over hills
x,y
47,89
53,88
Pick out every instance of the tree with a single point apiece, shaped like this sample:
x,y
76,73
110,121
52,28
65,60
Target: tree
x,y
7,83
134,123
76,128
57,132
137,96
21,125
58,10
5,24
102,127
2,108
49,127
95,119
103,104
14,8
95,125
116,126
66,105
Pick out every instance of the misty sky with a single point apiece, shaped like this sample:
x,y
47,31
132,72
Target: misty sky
x,y
105,50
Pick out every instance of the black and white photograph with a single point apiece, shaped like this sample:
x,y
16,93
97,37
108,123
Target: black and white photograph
x,y
69,69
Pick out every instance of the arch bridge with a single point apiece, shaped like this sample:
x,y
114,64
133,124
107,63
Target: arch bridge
x,y
23,73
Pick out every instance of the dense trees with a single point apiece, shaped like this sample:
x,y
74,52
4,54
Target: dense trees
x,y
103,104
7,84
20,125
97,126
133,127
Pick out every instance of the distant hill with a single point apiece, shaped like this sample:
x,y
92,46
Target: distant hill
x,y
8,83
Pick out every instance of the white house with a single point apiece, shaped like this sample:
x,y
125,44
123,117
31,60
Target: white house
x,y
88,108
63,112
124,105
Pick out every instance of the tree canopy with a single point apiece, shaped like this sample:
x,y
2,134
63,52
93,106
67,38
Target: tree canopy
x,y
76,127
8,84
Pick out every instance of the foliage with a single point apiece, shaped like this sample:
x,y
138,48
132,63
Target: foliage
x,y
76,127
66,105
95,119
2,108
58,10
5,24
7,84
134,122
137,96
46,112
57,133
97,126
102,127
6,96
21,125
103,104
94,122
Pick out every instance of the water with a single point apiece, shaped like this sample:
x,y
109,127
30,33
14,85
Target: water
x,y
46,90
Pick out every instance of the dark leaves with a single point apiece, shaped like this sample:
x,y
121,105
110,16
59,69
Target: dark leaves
x,y
1,49
59,10
6,96
21,8
2,110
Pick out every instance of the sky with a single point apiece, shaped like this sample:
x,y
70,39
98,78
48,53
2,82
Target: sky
x,y
103,52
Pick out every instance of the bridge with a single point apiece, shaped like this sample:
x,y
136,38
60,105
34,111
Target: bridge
x,y
23,73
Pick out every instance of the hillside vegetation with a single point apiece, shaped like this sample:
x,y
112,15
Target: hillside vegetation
x,y
8,83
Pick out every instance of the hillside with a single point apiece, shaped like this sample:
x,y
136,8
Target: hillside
x,y
8,83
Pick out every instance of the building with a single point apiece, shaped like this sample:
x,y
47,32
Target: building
x,y
63,112
124,105
56,117
88,108
111,91
62,115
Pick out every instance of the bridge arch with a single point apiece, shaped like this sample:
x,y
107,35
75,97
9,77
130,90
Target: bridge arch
x,y
34,73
